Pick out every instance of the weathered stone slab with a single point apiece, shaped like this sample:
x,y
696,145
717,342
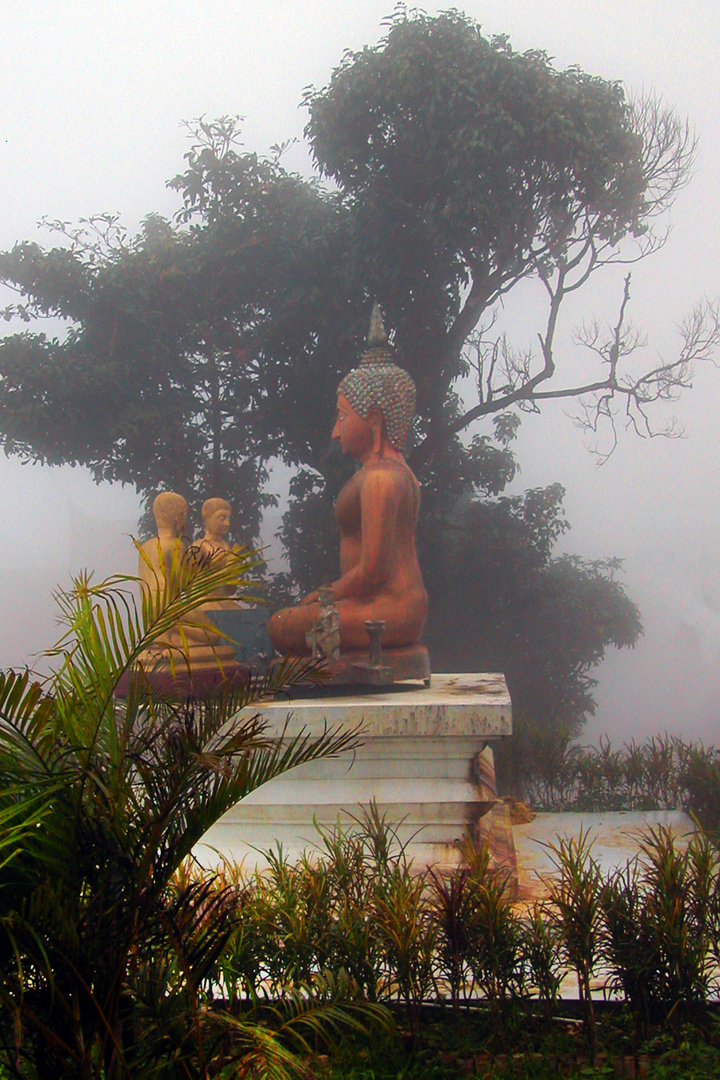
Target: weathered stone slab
x,y
470,705
423,759
615,835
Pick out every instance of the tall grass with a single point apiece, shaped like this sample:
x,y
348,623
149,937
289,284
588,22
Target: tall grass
x,y
663,773
359,916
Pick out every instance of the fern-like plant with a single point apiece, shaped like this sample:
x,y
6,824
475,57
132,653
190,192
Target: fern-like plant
x,y
102,956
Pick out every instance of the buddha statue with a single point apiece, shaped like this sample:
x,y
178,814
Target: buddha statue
x,y
198,643
213,545
376,512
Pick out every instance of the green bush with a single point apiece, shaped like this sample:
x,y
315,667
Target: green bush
x,y
647,935
663,773
107,957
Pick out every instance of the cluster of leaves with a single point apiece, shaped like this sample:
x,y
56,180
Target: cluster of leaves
x,y
104,953
663,773
649,934
534,1052
159,378
469,167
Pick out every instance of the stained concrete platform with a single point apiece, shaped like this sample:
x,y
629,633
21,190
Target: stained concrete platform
x,y
615,837
423,758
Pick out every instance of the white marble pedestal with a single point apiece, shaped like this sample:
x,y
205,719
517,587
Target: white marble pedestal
x,y
424,759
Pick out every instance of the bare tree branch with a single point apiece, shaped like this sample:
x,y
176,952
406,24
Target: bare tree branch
x,y
564,262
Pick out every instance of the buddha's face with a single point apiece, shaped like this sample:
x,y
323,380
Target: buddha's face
x,y
355,435
219,523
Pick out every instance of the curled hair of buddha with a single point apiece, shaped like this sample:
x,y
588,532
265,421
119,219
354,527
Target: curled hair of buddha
x,y
167,506
212,506
379,383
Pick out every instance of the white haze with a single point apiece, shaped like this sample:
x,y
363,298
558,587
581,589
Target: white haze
x,y
91,96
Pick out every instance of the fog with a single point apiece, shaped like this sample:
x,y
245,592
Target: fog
x,y
91,99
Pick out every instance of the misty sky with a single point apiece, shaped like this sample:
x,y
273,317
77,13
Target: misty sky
x,y
91,99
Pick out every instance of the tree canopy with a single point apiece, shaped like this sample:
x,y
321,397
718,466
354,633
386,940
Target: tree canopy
x,y
466,168
450,169
157,380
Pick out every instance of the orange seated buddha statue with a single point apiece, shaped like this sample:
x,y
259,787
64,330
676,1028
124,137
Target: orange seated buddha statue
x,y
376,512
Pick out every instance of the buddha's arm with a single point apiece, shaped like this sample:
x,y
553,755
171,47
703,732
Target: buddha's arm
x,y
379,501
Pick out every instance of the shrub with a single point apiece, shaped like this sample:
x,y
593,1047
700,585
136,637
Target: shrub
x,y
105,958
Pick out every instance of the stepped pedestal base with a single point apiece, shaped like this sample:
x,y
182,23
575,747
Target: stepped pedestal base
x,y
424,759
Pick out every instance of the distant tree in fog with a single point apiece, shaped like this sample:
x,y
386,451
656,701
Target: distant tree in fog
x,y
158,380
451,169
504,601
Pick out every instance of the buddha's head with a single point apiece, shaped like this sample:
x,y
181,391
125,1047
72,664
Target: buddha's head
x,y
170,512
379,385
216,517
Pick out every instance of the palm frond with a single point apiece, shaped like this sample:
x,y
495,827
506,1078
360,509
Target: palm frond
x,y
101,800
258,1053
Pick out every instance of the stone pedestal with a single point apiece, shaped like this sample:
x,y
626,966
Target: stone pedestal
x,y
424,759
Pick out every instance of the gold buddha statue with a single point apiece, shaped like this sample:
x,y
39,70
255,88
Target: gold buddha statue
x,y
195,642
376,512
213,545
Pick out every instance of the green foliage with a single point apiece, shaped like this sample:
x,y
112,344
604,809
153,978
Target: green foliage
x,y
407,931
660,918
575,898
544,621
538,1054
496,955
663,773
452,902
246,972
648,934
701,779
542,944
157,380
105,958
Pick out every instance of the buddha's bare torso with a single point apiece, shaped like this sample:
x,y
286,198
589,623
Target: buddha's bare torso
x,y
376,513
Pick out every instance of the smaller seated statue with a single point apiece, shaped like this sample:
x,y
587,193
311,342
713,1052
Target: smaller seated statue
x,y
380,583
195,642
213,545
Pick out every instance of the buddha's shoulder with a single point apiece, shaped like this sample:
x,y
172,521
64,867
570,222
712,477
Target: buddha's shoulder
x,y
388,472
164,544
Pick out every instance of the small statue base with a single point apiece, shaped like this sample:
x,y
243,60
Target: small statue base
x,y
200,680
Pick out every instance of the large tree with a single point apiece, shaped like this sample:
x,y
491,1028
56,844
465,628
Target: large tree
x,y
467,168
157,378
458,168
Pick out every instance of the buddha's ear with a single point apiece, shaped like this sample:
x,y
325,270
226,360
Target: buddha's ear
x,y
376,421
